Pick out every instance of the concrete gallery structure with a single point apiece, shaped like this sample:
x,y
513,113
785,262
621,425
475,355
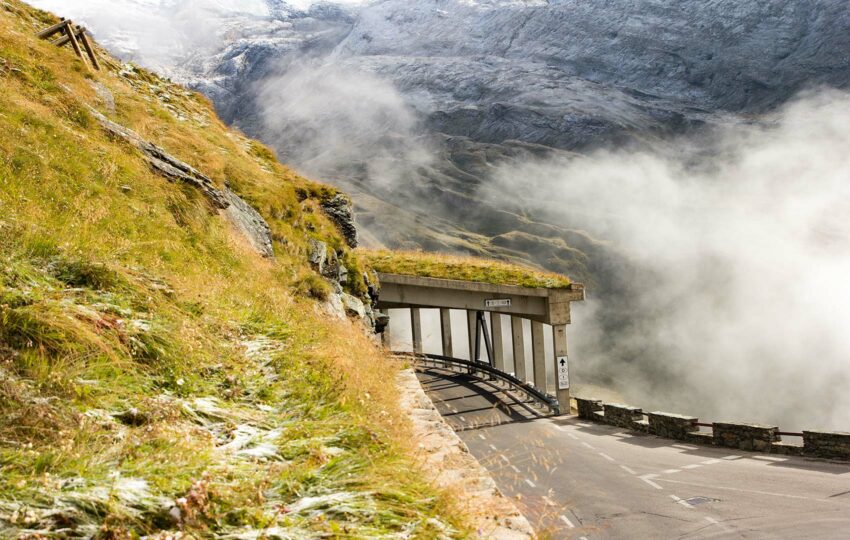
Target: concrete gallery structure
x,y
542,306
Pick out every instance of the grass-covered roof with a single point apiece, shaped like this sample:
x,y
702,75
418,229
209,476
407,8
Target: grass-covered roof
x,y
443,266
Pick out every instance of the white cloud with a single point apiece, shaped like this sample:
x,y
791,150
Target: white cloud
x,y
736,256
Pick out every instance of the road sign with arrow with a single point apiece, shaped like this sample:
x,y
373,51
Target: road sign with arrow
x,y
563,373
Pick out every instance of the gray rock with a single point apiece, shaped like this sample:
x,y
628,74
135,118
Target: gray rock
x,y
382,320
353,305
341,212
342,274
250,223
247,220
166,164
318,256
105,96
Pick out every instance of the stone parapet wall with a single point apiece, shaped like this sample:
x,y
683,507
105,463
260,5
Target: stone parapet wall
x,y
826,444
748,437
586,408
622,415
671,426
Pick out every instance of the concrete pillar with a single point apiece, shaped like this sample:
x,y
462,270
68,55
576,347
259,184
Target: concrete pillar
x,y
538,355
562,372
472,327
446,332
498,346
416,326
518,339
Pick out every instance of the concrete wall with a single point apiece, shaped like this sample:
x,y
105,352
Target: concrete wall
x,y
749,437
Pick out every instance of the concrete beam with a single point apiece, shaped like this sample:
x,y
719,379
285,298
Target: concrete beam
x,y
538,355
551,306
416,326
446,331
498,344
394,295
518,339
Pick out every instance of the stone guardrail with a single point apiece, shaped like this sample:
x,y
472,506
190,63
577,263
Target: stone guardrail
x,y
748,437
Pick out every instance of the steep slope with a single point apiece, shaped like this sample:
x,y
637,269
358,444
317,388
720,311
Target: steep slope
x,y
158,376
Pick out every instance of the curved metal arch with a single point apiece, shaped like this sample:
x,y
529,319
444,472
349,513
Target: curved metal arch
x,y
534,393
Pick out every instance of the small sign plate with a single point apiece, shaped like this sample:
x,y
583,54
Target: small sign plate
x,y
506,302
563,373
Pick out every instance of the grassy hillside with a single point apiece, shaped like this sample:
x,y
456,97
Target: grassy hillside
x,y
156,375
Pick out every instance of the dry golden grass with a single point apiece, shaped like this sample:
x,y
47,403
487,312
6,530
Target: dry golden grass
x,y
126,299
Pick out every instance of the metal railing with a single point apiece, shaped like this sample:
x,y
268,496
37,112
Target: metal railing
x,y
534,393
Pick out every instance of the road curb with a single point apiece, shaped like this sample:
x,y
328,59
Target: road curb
x,y
452,467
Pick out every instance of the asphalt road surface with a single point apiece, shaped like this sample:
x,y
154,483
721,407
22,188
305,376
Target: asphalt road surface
x,y
575,479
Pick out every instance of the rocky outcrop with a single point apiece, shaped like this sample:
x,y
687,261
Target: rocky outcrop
x,y
327,263
340,210
250,223
245,218
166,164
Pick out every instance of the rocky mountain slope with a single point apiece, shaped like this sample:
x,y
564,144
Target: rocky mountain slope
x,y
455,88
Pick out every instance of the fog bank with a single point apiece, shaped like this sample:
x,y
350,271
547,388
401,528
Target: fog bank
x,y
734,258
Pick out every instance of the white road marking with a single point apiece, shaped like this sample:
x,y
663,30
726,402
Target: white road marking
x,y
493,448
684,446
606,456
548,501
683,502
530,483
730,458
562,428
482,437
711,520
462,419
589,446
692,484
568,522
770,458
672,471
693,466
710,461
648,479
583,425
628,470
571,436
504,458
514,468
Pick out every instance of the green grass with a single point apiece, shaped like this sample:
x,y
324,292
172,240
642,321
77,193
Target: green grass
x,y
441,266
156,375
